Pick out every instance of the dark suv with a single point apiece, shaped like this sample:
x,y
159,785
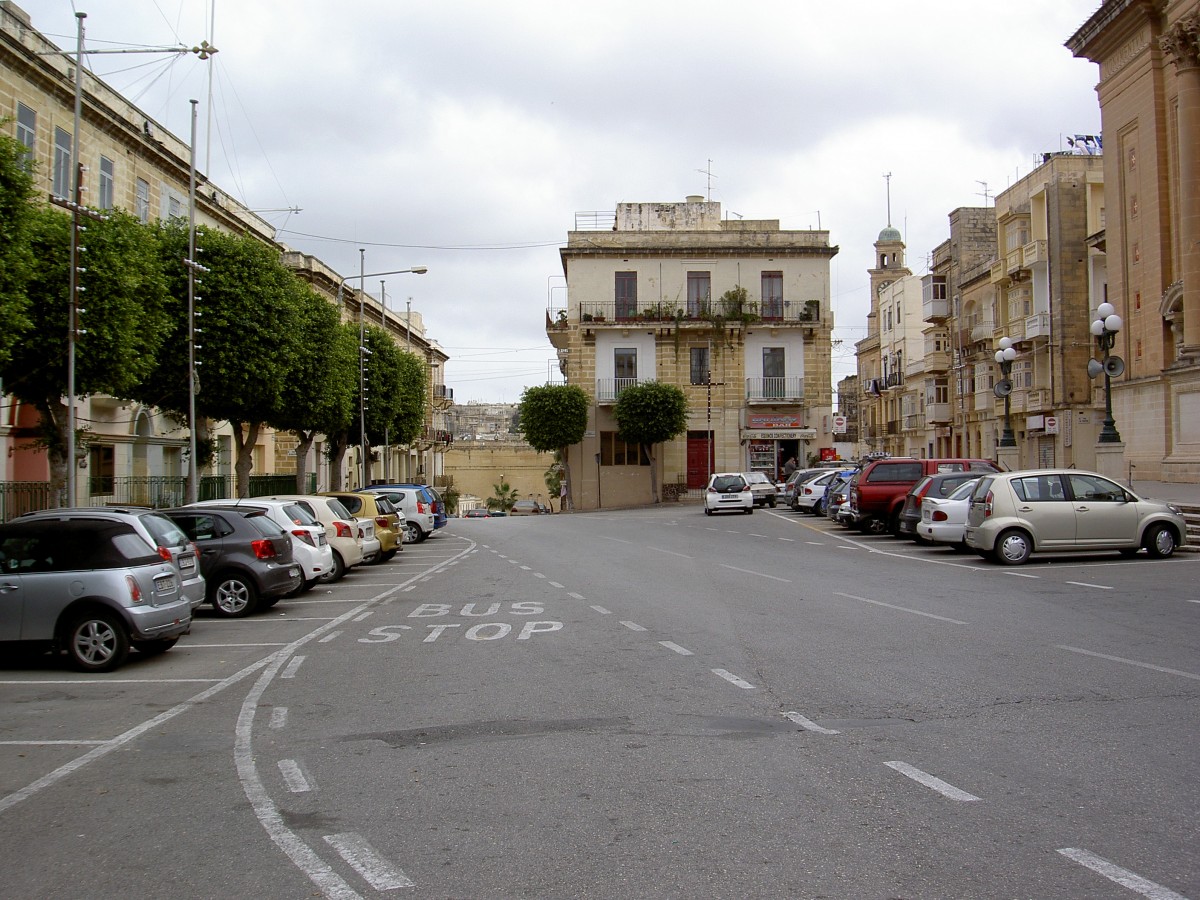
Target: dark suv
x,y
91,586
246,558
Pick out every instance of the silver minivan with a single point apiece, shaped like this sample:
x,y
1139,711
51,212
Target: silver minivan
x,y
1015,514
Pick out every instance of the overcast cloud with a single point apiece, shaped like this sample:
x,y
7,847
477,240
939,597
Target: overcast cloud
x,y
464,136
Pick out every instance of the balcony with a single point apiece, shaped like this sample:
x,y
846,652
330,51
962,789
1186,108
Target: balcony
x,y
626,312
609,389
1039,400
998,274
441,392
557,322
1037,326
785,389
914,368
937,413
935,309
1014,263
914,422
1034,252
937,362
984,331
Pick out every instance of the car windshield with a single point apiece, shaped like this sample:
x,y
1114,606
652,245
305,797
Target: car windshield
x,y
964,490
298,514
163,530
729,483
757,478
339,511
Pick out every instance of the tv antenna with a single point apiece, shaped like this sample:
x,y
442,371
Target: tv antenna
x,y
985,193
711,176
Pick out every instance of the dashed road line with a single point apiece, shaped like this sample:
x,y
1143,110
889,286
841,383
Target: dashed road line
x,y
1102,587
293,664
1123,877
329,637
633,626
733,679
759,574
808,724
555,584
279,717
1130,662
602,610
293,777
942,787
915,612
576,596
671,645
366,861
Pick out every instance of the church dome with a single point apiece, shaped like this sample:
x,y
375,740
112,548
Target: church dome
x,y
889,234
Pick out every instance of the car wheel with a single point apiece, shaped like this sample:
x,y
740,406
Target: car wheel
x,y
874,525
771,503
749,510
97,641
707,511
153,648
1013,547
412,533
234,597
389,556
818,508
1160,541
336,571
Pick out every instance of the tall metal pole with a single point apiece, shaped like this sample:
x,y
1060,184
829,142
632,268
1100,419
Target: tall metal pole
x,y
193,490
362,379
73,286
387,443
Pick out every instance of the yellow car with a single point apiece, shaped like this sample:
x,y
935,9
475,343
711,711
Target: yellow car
x,y
389,523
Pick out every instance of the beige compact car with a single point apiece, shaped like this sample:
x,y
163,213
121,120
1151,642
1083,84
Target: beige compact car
x,y
1015,514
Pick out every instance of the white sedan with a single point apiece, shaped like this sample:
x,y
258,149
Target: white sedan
x,y
728,490
944,519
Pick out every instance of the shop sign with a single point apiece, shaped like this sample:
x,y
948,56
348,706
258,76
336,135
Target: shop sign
x,y
781,434
772,420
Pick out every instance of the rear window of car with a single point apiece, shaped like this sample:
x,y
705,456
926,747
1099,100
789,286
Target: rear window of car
x,y
352,504
729,483
384,505
897,471
339,511
72,546
265,526
163,530
757,478
982,486
298,514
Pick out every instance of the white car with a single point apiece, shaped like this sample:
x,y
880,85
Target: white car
x,y
944,519
419,520
728,490
310,545
810,494
341,529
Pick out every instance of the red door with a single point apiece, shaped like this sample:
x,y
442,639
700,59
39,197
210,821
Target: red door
x,y
700,458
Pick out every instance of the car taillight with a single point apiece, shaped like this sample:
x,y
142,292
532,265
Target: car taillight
x,y
421,507
713,490
939,516
165,553
987,504
135,592
382,522
808,490
264,548
343,530
304,536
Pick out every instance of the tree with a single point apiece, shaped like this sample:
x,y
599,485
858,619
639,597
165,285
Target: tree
x,y
649,414
553,417
553,477
122,321
504,497
16,258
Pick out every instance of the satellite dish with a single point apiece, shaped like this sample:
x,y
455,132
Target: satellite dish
x,y
1003,388
1095,368
1114,367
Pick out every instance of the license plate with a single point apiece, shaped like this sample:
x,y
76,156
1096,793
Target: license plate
x,y
731,497
187,562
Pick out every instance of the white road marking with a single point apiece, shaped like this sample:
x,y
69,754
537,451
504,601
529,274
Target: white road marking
x,y
51,743
576,596
295,663
1123,877
759,574
671,645
555,584
815,543
1131,662
808,724
602,610
1022,575
942,787
329,637
380,873
279,717
670,552
754,534
733,679
789,540
1103,587
115,681
915,612
526,568
633,626
293,777
365,615
538,575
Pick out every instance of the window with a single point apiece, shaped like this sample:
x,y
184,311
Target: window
x,y
27,133
616,452
1022,374
101,466
625,362
1096,489
699,292
626,295
700,368
142,201
773,371
62,163
1039,489
772,295
106,183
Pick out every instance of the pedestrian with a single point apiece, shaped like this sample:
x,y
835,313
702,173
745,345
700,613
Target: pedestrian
x,y
789,467
562,495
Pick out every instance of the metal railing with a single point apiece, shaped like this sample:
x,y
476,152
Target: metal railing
x,y
787,387
609,389
750,311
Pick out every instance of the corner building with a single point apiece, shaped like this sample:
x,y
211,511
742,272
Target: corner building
x,y
734,312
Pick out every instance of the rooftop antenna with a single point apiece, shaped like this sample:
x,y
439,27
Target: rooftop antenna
x,y
888,180
985,194
711,176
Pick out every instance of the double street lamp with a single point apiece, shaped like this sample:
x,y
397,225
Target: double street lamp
x,y
1004,387
1104,329
364,352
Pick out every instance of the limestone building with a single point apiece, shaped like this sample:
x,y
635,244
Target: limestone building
x,y
734,312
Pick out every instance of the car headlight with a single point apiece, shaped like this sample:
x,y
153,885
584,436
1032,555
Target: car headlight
x,y
1175,509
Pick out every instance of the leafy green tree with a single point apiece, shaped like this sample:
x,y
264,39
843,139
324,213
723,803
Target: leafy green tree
x,y
16,257
553,417
122,321
503,497
649,414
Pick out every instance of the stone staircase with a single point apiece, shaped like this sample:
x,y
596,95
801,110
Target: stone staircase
x,y
1191,513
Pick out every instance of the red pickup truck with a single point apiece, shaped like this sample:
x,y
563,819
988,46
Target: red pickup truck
x,y
879,490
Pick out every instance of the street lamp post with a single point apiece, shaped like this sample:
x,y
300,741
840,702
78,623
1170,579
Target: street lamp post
x,y
364,351
1104,329
1004,357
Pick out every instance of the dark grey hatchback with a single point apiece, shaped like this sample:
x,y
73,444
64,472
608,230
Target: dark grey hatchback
x,y
245,557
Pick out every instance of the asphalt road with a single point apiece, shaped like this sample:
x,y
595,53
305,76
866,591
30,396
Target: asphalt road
x,y
636,704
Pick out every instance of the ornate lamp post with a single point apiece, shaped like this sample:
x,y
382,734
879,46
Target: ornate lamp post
x,y
1105,328
1004,357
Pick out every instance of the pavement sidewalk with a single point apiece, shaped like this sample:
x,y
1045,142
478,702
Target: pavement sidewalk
x,y
1171,491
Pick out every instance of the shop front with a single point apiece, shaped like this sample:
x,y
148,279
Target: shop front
x,y
771,439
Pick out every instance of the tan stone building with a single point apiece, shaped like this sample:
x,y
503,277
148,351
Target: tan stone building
x,y
734,312
1148,52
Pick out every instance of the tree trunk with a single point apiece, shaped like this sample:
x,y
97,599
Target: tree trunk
x,y
305,439
337,450
53,429
565,502
654,498
245,455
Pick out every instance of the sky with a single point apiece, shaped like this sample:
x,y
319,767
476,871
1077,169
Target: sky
x,y
465,136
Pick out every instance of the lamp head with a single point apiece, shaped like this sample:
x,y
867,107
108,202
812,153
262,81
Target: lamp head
x,y
1113,322
1104,310
418,270
1098,327
1009,353
1005,343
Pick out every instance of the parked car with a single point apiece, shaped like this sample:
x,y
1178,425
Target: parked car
x,y
878,493
1015,514
389,521
941,485
728,491
837,493
810,495
944,519
793,482
762,488
416,506
310,545
156,529
89,586
526,508
341,529
437,508
245,557
477,513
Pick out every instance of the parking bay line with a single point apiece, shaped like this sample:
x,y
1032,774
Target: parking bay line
x,y
733,679
944,788
1102,587
759,574
1131,662
915,612
1123,877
